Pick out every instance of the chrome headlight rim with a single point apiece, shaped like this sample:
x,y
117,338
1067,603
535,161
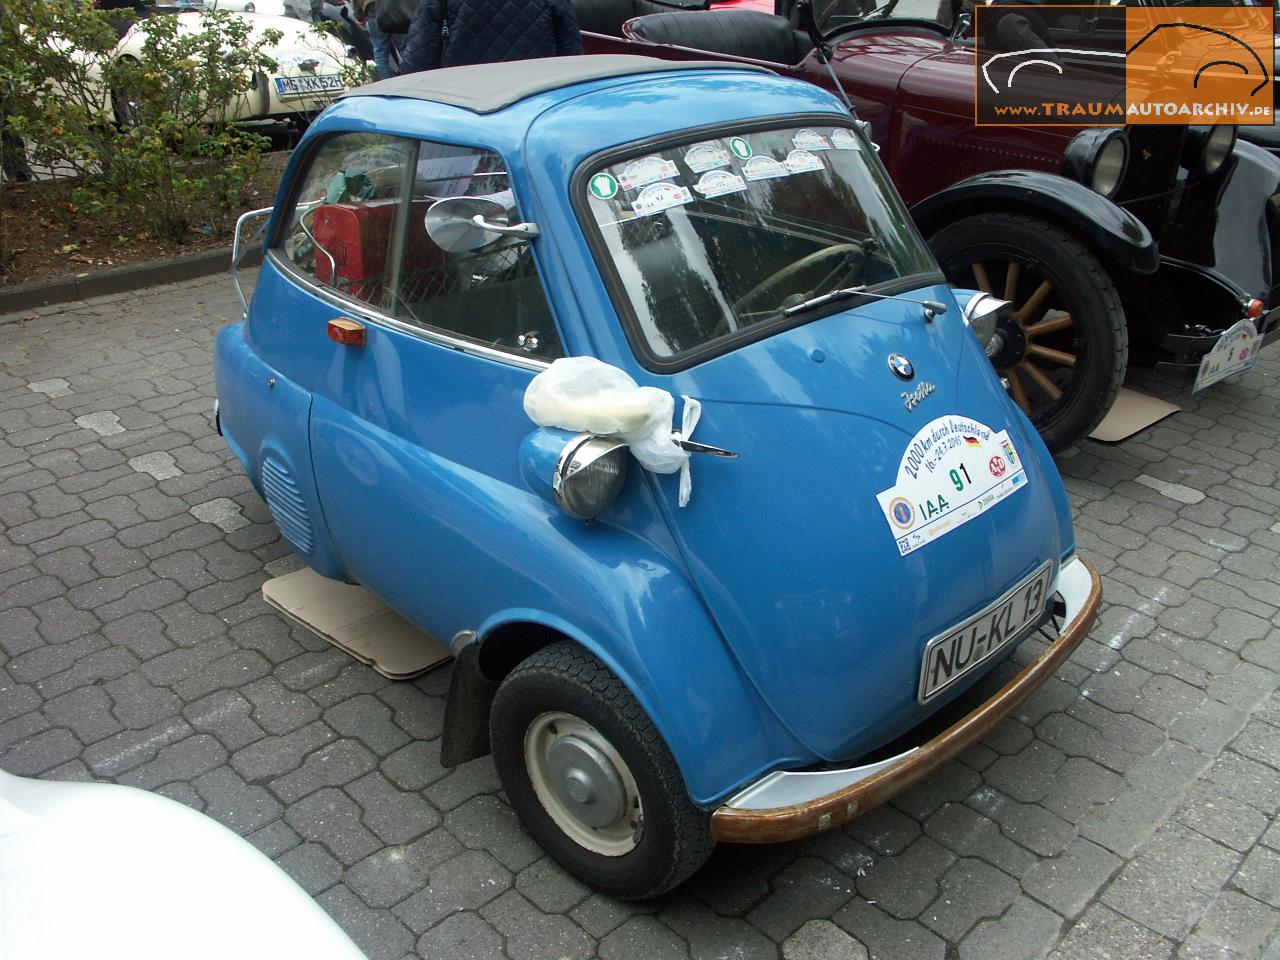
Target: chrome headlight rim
x,y
1207,148
1098,158
1109,166
981,315
568,480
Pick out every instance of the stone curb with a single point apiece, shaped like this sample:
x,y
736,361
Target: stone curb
x,y
134,276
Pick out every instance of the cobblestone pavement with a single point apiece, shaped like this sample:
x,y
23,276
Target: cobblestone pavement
x,y
1127,811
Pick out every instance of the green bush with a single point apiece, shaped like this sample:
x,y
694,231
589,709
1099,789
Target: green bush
x,y
149,136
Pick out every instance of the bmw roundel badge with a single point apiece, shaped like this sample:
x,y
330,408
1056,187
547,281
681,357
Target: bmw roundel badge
x,y
901,366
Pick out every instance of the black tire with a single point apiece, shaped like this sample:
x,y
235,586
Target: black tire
x,y
672,837
1012,256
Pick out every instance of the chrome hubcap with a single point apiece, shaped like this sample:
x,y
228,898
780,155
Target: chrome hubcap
x,y
583,784
586,782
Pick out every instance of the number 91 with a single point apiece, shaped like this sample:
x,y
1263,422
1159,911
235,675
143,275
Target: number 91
x,y
958,480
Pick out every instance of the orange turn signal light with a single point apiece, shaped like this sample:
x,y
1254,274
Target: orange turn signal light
x,y
1253,309
347,332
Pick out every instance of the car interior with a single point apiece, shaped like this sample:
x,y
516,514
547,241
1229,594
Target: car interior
x,y
492,296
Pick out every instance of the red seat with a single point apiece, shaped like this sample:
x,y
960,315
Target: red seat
x,y
357,237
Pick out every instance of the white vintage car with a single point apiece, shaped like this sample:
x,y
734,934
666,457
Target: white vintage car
x,y
310,68
116,873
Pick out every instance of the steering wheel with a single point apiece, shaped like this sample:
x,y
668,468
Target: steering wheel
x,y
846,257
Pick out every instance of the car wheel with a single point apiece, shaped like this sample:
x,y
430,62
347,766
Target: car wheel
x,y
1062,344
591,778
248,8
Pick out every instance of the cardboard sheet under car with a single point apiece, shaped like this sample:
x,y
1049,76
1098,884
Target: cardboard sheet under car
x,y
354,620
1131,413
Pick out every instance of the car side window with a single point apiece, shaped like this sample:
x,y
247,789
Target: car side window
x,y
341,227
492,295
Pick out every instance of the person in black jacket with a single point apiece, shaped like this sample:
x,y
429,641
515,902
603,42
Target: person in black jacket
x,y
449,33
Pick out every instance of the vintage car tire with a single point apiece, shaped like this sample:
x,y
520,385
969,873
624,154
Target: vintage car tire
x,y
1088,326
564,680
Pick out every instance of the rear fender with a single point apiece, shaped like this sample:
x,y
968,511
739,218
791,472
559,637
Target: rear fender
x,y
1117,236
263,416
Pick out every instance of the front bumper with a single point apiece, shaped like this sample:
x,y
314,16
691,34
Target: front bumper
x,y
787,805
1191,348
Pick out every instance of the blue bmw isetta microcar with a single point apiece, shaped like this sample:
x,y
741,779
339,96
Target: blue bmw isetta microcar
x,y
653,670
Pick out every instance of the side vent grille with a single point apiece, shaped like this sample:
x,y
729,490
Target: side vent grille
x,y
287,506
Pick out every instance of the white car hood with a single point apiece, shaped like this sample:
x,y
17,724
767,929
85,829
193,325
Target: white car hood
x,y
103,871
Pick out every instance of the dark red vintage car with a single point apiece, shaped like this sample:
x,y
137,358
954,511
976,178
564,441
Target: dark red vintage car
x,y
1142,242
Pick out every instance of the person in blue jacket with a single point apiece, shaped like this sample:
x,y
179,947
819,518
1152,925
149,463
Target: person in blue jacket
x,y
450,33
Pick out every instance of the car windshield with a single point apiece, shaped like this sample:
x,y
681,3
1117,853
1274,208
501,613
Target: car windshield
x,y
832,16
707,239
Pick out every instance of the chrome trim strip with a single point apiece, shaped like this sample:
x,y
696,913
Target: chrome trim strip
x,y
786,788
462,639
366,312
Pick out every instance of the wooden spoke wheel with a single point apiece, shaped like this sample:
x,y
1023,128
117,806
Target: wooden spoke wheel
x,y
1062,345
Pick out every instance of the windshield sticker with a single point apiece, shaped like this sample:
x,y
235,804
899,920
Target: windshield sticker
x,y
658,197
802,161
741,149
842,138
763,168
953,470
810,140
603,186
717,183
647,170
705,157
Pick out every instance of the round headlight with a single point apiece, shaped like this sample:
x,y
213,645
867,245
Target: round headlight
x,y
589,475
1098,158
980,315
1217,147
1109,165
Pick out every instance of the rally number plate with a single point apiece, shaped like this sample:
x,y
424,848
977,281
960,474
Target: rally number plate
x,y
963,648
1235,352
297,86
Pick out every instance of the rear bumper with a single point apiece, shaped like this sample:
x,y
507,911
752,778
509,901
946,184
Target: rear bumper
x,y
787,805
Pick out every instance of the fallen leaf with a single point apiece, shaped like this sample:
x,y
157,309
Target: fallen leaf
x,y
70,247
70,207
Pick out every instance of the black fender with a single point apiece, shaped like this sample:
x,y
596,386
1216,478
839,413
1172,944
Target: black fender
x,y
1117,236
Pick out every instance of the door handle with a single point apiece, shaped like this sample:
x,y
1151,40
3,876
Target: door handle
x,y
349,333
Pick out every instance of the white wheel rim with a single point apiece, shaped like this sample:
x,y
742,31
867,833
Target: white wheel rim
x,y
616,838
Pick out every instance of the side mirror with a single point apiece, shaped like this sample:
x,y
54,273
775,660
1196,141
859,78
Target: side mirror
x,y
463,224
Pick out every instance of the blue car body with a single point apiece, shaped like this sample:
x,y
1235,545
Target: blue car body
x,y
770,624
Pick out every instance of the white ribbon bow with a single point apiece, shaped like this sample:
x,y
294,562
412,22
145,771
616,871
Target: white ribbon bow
x,y
689,420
